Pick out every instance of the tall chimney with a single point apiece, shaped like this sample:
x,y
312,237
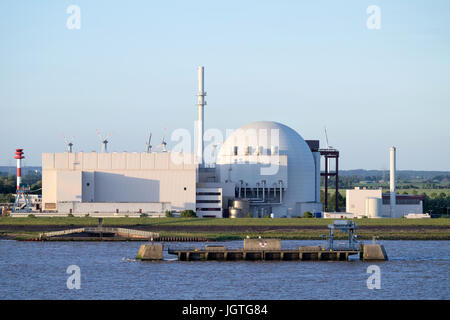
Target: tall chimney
x,y
19,156
200,106
392,182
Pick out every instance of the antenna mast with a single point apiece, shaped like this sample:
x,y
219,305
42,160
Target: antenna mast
x,y
104,141
69,143
149,146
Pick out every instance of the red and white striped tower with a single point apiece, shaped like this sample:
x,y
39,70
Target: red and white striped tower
x,y
19,156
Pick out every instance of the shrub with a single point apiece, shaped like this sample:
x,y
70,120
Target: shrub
x,y
70,215
86,215
169,214
308,214
31,216
267,215
249,215
188,214
144,215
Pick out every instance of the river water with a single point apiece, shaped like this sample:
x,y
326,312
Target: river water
x,y
37,270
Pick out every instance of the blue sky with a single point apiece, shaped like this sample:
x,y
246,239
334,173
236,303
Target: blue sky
x,y
131,70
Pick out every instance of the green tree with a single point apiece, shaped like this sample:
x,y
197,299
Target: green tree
x,y
308,214
188,214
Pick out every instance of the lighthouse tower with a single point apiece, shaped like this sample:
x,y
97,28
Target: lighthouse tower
x,y
19,156
22,202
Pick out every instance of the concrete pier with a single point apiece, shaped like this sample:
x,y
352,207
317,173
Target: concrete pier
x,y
372,252
256,254
150,252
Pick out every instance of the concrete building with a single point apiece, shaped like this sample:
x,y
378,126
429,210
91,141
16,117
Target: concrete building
x,y
93,181
364,202
371,203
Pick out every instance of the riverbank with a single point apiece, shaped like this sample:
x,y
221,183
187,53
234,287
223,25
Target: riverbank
x,y
235,229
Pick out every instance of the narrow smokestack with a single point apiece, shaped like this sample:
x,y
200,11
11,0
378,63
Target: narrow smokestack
x,y
392,182
19,156
200,106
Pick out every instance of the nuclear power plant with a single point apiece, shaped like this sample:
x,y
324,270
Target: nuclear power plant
x,y
263,168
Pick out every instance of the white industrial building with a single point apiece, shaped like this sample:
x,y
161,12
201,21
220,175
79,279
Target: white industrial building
x,y
372,203
262,168
122,182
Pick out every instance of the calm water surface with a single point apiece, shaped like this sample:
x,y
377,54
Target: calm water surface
x,y
37,270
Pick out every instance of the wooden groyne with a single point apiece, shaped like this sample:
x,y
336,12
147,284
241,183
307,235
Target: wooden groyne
x,y
98,233
112,234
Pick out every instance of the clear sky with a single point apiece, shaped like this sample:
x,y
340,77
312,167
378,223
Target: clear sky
x,y
131,69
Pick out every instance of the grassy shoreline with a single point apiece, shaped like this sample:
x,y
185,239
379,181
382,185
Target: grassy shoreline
x,y
89,221
236,229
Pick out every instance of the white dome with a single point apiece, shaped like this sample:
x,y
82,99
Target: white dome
x,y
300,172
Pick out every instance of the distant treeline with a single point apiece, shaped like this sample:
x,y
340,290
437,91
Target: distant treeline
x,y
11,170
349,182
362,173
401,174
437,203
8,185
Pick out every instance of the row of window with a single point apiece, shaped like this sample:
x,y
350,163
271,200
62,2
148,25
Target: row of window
x,y
256,150
208,193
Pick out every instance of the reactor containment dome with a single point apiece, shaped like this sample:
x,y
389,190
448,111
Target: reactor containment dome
x,y
273,168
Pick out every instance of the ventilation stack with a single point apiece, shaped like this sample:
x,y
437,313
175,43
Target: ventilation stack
x,y
392,182
200,112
